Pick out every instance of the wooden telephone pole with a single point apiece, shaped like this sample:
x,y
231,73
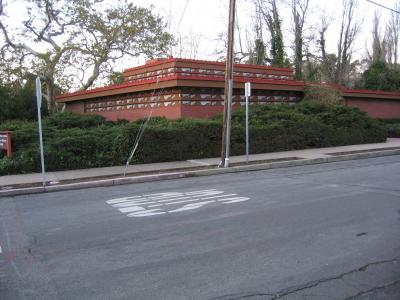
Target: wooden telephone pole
x,y
226,130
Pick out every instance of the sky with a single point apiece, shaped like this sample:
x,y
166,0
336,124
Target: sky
x,y
205,22
207,19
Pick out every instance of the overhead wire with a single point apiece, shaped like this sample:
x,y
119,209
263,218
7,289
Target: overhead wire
x,y
182,14
143,126
385,7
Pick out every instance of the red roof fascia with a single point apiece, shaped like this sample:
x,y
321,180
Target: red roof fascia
x,y
241,80
343,89
209,62
117,86
372,92
180,77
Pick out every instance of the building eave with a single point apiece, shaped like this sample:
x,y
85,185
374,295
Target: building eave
x,y
180,81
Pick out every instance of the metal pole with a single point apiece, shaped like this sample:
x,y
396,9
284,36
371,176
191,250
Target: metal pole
x,y
247,94
39,106
247,128
228,86
228,125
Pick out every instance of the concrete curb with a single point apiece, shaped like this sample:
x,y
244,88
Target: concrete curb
x,y
196,173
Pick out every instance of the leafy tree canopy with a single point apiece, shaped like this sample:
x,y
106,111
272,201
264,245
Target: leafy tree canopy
x,y
379,76
18,102
75,43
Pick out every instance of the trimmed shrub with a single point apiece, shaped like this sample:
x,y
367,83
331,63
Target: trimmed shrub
x,y
70,120
392,126
393,130
74,141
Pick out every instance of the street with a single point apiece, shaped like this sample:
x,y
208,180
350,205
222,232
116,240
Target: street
x,y
327,231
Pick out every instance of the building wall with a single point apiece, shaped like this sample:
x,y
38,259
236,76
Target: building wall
x,y
174,103
173,112
134,106
205,103
383,109
199,111
76,107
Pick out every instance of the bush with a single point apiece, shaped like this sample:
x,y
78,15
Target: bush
x,y
19,102
393,130
380,76
74,141
392,126
70,120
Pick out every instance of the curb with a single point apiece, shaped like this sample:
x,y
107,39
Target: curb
x,y
196,173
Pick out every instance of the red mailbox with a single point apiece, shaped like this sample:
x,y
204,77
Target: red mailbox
x,y
5,142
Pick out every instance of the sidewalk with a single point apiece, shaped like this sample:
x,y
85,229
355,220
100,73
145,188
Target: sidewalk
x,y
198,167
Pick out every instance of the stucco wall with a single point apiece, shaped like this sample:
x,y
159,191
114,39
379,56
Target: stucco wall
x,y
383,109
173,112
76,107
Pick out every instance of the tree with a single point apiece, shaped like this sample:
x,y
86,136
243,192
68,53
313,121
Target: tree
x,y
349,29
379,43
269,11
75,43
19,102
323,27
258,56
320,65
379,76
393,37
186,46
115,77
299,12
243,51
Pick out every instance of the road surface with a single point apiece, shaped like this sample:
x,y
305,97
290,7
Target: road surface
x,y
329,231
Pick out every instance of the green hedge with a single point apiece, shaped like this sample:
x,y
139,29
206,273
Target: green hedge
x,y
393,129
392,126
74,141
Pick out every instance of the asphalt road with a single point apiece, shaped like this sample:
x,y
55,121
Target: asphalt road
x,y
329,231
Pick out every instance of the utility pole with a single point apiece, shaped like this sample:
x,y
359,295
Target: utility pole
x,y
226,130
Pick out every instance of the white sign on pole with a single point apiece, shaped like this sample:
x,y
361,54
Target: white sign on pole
x,y
247,89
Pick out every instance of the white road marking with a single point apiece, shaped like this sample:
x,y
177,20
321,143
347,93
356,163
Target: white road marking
x,y
191,200
131,203
1,250
200,192
198,162
177,202
163,203
213,197
191,206
151,212
209,193
165,197
174,199
131,209
234,200
161,194
112,201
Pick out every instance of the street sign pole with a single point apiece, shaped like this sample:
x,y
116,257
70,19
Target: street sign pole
x,y
39,106
247,94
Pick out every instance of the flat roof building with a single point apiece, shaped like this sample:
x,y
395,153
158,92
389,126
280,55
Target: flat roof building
x,y
176,88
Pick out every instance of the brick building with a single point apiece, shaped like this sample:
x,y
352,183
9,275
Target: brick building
x,y
177,88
